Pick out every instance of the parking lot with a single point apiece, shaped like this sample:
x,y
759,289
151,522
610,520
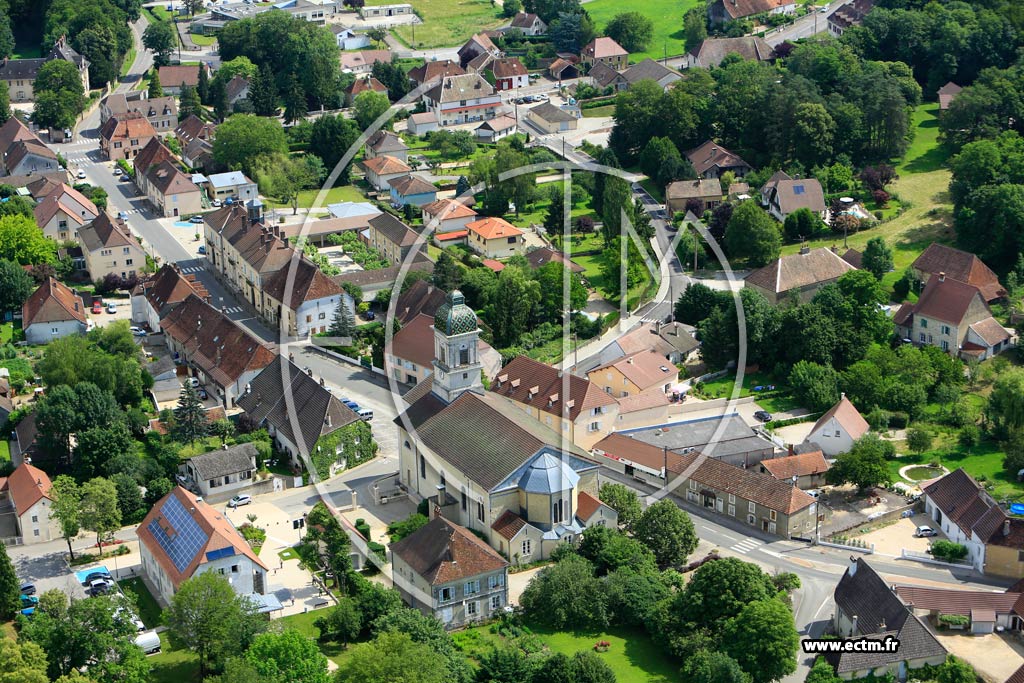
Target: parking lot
x,y
895,537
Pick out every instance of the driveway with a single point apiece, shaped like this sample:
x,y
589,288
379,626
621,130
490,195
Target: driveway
x,y
994,656
891,539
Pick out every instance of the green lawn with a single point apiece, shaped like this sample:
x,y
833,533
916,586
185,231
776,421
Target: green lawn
x,y
984,463
922,188
667,16
780,400
29,51
149,609
11,332
288,554
158,13
303,623
447,22
343,193
5,453
173,666
597,112
126,65
205,41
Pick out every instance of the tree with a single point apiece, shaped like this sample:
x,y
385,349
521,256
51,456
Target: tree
x,y
156,489
505,664
610,550
377,35
1006,402
189,102
129,497
155,88
207,617
392,657
919,439
864,464
218,98
6,36
342,324
511,303
263,92
284,177
53,110
100,513
331,138
243,138
511,8
802,224
955,670
822,672
667,531
877,258
695,27
295,106
632,30
342,624
763,640
447,272
287,657
566,594
96,446
624,501
5,106
59,76
190,422
65,503
368,106
815,386
718,591
752,235
697,301
714,667
193,7
9,602
15,285
160,39
22,662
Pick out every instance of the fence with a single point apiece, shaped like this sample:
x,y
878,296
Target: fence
x,y
842,546
928,559
353,361
881,518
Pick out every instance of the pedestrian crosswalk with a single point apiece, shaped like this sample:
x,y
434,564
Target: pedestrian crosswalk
x,y
746,545
230,310
192,269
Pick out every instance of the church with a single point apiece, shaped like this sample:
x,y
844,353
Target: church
x,y
482,463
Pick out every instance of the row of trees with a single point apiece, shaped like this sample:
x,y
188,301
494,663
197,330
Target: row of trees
x,y
97,29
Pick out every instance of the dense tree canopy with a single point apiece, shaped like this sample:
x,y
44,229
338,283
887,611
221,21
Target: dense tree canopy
x,y
243,138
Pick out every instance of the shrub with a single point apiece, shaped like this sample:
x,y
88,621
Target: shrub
x,y
948,551
954,619
899,420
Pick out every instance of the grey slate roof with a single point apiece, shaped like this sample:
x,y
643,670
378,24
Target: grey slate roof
x,y
317,411
240,458
736,436
867,595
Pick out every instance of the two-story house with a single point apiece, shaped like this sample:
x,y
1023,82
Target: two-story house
x,y
838,428
782,195
171,192
495,238
711,160
385,143
447,215
232,185
954,316
529,23
477,47
391,237
19,75
606,51
241,250
958,265
162,112
23,153
63,212
703,194
470,452
308,304
568,404
222,473
154,297
712,51
381,170
51,312
411,189
27,491
123,136
721,12
508,73
110,248
462,99
639,372
445,571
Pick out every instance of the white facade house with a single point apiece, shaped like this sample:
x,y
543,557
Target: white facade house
x,y
838,428
27,494
183,536
349,39
224,471
51,312
233,184
462,99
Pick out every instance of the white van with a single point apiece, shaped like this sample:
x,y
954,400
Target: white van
x,y
149,642
365,414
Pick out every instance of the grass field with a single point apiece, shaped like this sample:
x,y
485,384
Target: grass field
x,y
447,22
598,112
173,666
149,609
200,39
984,463
343,193
781,399
667,16
922,188
126,65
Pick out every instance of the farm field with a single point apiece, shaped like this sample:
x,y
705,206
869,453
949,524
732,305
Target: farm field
x,y
447,22
667,16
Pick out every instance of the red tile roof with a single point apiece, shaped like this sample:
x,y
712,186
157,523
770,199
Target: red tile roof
x,y
308,284
550,390
802,465
646,369
442,551
962,266
28,485
174,76
848,416
746,484
385,165
127,126
443,209
415,341
492,228
508,525
587,505
602,47
947,299
52,302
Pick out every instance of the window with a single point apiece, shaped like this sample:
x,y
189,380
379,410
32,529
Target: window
x,y
35,532
924,323
558,511
693,485
125,250
63,225
495,602
945,329
732,510
751,507
495,581
35,519
234,569
471,608
128,262
732,498
838,434
472,587
465,501
527,548
772,515
323,316
309,318
511,240
445,594
480,511
922,338
594,426
423,467
945,345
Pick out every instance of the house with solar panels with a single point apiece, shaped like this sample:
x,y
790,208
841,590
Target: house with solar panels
x,y
183,536
782,195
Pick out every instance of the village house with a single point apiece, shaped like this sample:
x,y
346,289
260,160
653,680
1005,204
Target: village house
x,y
349,39
194,128
639,372
837,429
63,212
671,341
153,298
550,119
233,185
848,14
152,154
23,152
410,357
173,77
125,135
954,316
868,609
391,237
237,90
221,473
362,62
530,24
420,297
498,128
162,112
796,278
965,512
725,437
422,123
513,480
545,255
313,300
702,195
479,45
26,495
721,12
564,68
508,73
51,312
384,11
603,76
171,192
434,71
446,572
606,51
220,353
495,238
385,143
20,74
947,94
447,215
411,189
782,195
712,51
804,470
987,611
570,405
383,279
711,160
650,70
381,170
110,248
363,83
183,536
319,419
958,265
462,99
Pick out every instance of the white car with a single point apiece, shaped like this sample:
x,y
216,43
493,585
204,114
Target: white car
x,y
117,171
194,381
239,500
924,531
137,331
80,175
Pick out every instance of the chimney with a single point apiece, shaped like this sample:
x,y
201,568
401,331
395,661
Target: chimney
x,y
852,569
853,631
942,277
328,419
881,624
791,450
1006,527
804,250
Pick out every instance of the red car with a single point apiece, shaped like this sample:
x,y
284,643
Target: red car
x,y
97,306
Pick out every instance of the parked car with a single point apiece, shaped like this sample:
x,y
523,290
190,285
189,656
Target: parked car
x,y
202,249
196,219
101,587
97,306
123,215
80,175
350,404
149,642
194,381
365,414
117,171
28,600
137,331
92,576
215,203
111,307
27,588
239,500
763,416
370,315
924,531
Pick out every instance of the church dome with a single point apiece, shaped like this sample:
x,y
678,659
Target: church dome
x,y
454,316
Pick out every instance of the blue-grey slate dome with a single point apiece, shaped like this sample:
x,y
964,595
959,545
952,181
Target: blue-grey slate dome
x,y
454,316
548,474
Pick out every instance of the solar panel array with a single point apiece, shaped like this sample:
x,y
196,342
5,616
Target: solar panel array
x,y
186,539
219,553
798,189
